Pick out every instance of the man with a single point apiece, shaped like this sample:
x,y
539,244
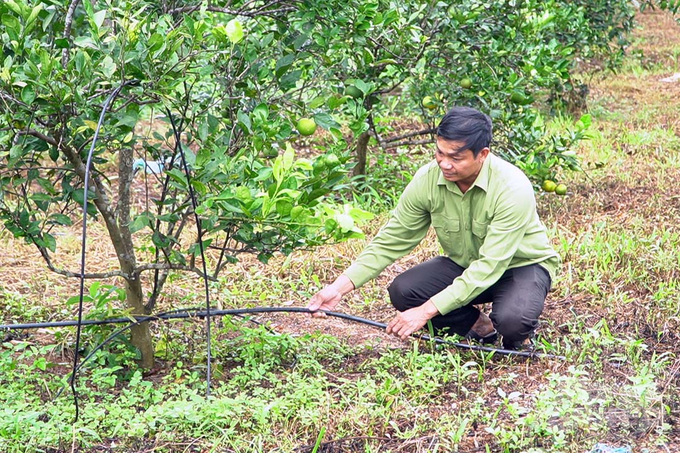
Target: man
x,y
483,210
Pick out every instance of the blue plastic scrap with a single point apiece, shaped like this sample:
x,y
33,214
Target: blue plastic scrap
x,y
604,448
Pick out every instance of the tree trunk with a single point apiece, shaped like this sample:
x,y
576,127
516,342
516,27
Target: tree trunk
x,y
140,335
117,224
361,152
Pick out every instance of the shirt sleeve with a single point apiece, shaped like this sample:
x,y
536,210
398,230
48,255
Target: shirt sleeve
x,y
406,227
513,214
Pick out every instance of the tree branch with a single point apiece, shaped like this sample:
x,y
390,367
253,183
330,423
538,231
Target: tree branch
x,y
33,133
7,97
430,130
408,143
165,266
67,30
215,9
98,275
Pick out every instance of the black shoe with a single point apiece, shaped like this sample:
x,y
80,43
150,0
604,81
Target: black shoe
x,y
522,345
487,339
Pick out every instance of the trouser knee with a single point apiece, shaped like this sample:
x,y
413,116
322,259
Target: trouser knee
x,y
513,326
400,293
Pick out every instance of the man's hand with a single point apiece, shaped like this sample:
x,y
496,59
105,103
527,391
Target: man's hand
x,y
409,321
329,296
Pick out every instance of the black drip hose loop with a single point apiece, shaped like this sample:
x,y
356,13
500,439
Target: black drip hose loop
x,y
196,313
86,189
194,205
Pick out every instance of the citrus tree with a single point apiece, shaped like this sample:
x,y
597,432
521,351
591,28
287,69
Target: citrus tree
x,y
217,84
367,53
205,98
511,59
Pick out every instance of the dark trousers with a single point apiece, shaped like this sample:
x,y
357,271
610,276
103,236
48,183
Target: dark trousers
x,y
517,297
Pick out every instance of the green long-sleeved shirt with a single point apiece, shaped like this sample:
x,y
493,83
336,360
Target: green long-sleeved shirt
x,y
490,228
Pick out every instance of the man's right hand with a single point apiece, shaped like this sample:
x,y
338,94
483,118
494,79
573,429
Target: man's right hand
x,y
329,297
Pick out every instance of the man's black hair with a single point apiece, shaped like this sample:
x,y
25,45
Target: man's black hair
x,y
466,125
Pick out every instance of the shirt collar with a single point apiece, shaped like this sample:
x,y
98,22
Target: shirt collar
x,y
482,180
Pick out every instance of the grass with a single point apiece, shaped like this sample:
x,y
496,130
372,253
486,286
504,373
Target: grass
x,y
310,385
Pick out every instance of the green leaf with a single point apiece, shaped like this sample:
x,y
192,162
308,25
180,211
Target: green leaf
x,y
223,204
261,112
201,188
28,94
50,242
108,68
85,42
62,43
317,102
364,87
11,4
98,18
78,197
220,33
283,63
34,14
89,9
289,80
139,223
244,121
12,23
360,214
234,31
39,196
54,153
243,194
160,240
195,249
326,121
284,207
584,122
288,157
60,219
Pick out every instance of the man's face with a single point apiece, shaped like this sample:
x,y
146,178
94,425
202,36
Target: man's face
x,y
456,165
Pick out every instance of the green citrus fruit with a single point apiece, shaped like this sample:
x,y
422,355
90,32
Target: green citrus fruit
x,y
561,189
549,186
271,152
306,126
319,164
429,103
332,161
466,83
354,92
520,99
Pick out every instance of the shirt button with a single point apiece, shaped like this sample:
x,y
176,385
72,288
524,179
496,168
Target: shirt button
x,y
467,227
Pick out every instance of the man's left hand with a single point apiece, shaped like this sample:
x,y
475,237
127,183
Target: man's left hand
x,y
409,321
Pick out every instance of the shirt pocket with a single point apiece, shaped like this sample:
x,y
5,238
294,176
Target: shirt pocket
x,y
448,232
479,229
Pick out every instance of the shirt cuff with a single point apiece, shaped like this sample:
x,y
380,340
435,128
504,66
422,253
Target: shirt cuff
x,y
444,303
358,275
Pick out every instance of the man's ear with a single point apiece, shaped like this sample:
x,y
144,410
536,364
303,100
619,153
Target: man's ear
x,y
483,153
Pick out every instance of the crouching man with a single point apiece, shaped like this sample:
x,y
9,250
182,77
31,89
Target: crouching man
x,y
483,210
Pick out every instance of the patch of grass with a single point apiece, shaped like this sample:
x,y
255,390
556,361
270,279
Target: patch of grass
x,y
389,174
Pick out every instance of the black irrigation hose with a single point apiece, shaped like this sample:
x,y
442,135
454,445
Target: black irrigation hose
x,y
86,189
132,322
194,204
178,314
195,313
